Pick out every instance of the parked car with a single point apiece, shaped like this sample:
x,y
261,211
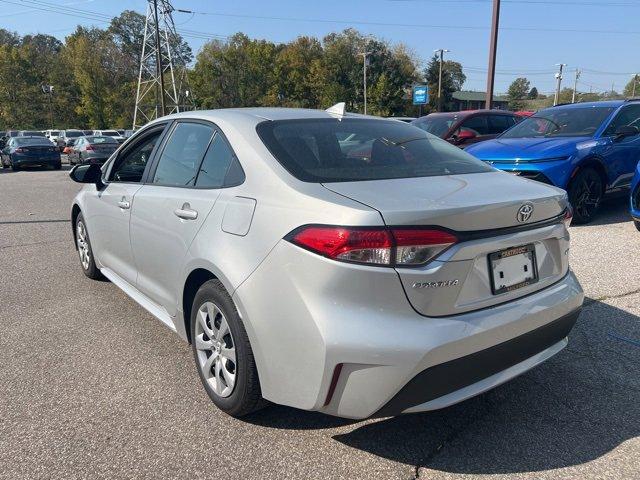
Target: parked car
x,y
25,151
92,149
405,282
467,127
587,149
403,119
52,135
30,133
109,133
87,132
635,197
66,136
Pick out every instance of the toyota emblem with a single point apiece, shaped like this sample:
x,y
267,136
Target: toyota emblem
x,y
525,212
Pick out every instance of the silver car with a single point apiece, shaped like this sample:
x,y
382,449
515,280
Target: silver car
x,y
334,262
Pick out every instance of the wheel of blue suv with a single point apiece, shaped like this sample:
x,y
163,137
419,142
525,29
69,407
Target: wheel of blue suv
x,y
222,352
85,252
585,193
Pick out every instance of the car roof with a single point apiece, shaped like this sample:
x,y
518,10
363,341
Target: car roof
x,y
259,114
466,113
603,103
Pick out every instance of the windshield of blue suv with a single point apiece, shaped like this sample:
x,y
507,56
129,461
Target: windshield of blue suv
x,y
561,122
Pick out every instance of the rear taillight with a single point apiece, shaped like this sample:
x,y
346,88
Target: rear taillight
x,y
20,150
374,246
89,148
568,216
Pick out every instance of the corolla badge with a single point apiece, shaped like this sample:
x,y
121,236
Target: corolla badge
x,y
524,212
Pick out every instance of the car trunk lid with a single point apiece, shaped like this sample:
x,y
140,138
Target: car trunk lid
x,y
482,209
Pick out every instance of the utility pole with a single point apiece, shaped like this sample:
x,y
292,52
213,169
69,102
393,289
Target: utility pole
x,y
556,99
575,85
365,62
154,97
493,48
48,90
440,52
159,59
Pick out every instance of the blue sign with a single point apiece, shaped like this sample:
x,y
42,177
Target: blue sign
x,y
420,94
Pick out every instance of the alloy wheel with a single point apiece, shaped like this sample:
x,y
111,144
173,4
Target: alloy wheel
x,y
588,193
215,349
83,245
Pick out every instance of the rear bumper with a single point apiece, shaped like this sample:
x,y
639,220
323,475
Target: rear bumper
x,y
22,162
308,317
453,381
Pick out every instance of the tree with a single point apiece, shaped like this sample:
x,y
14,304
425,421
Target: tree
x,y
518,92
453,79
533,94
629,90
295,66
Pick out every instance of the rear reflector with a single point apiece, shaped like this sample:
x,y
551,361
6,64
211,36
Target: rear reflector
x,y
568,216
374,246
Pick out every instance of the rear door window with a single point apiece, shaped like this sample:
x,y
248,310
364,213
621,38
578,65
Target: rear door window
x,y
352,149
499,123
477,124
220,167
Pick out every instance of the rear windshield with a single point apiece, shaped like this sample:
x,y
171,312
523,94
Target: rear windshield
x,y
31,133
110,133
73,133
32,141
353,149
96,140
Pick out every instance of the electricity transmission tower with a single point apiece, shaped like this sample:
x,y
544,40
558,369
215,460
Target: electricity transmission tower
x,y
162,88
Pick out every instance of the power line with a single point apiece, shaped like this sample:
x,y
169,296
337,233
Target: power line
x,y
409,25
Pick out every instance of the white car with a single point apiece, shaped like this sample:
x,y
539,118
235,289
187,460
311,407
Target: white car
x,y
400,276
109,133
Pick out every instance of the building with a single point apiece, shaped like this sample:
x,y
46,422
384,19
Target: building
x,y
467,100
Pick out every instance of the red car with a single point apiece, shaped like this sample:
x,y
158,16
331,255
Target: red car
x,y
467,127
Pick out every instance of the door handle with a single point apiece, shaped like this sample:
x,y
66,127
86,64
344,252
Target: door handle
x,y
186,212
124,204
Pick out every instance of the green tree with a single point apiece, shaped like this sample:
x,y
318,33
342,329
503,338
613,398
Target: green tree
x,y
533,94
518,92
453,79
632,89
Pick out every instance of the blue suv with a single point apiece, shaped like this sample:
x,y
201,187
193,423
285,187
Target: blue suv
x,y
635,198
586,148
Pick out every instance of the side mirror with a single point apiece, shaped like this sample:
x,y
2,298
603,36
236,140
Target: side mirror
x,y
91,173
466,135
627,131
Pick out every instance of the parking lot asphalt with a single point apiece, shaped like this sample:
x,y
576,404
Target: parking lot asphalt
x,y
92,386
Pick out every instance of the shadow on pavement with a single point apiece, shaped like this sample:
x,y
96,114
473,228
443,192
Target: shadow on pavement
x,y
614,209
580,405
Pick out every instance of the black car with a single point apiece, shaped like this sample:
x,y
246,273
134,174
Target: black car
x,y
30,151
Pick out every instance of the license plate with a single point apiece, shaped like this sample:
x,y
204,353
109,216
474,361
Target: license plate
x,y
512,269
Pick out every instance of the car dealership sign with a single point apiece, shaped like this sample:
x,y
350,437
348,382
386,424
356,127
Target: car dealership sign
x,y
420,94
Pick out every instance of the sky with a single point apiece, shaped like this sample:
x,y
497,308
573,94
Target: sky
x,y
600,37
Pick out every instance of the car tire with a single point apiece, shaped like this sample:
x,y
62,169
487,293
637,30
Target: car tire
x,y
85,252
585,194
230,377
15,168
637,224
58,166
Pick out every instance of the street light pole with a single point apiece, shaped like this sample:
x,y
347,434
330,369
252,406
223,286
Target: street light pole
x,y
556,99
364,77
440,53
493,47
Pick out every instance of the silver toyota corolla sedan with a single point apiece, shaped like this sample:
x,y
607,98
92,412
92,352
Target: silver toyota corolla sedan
x,y
351,265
